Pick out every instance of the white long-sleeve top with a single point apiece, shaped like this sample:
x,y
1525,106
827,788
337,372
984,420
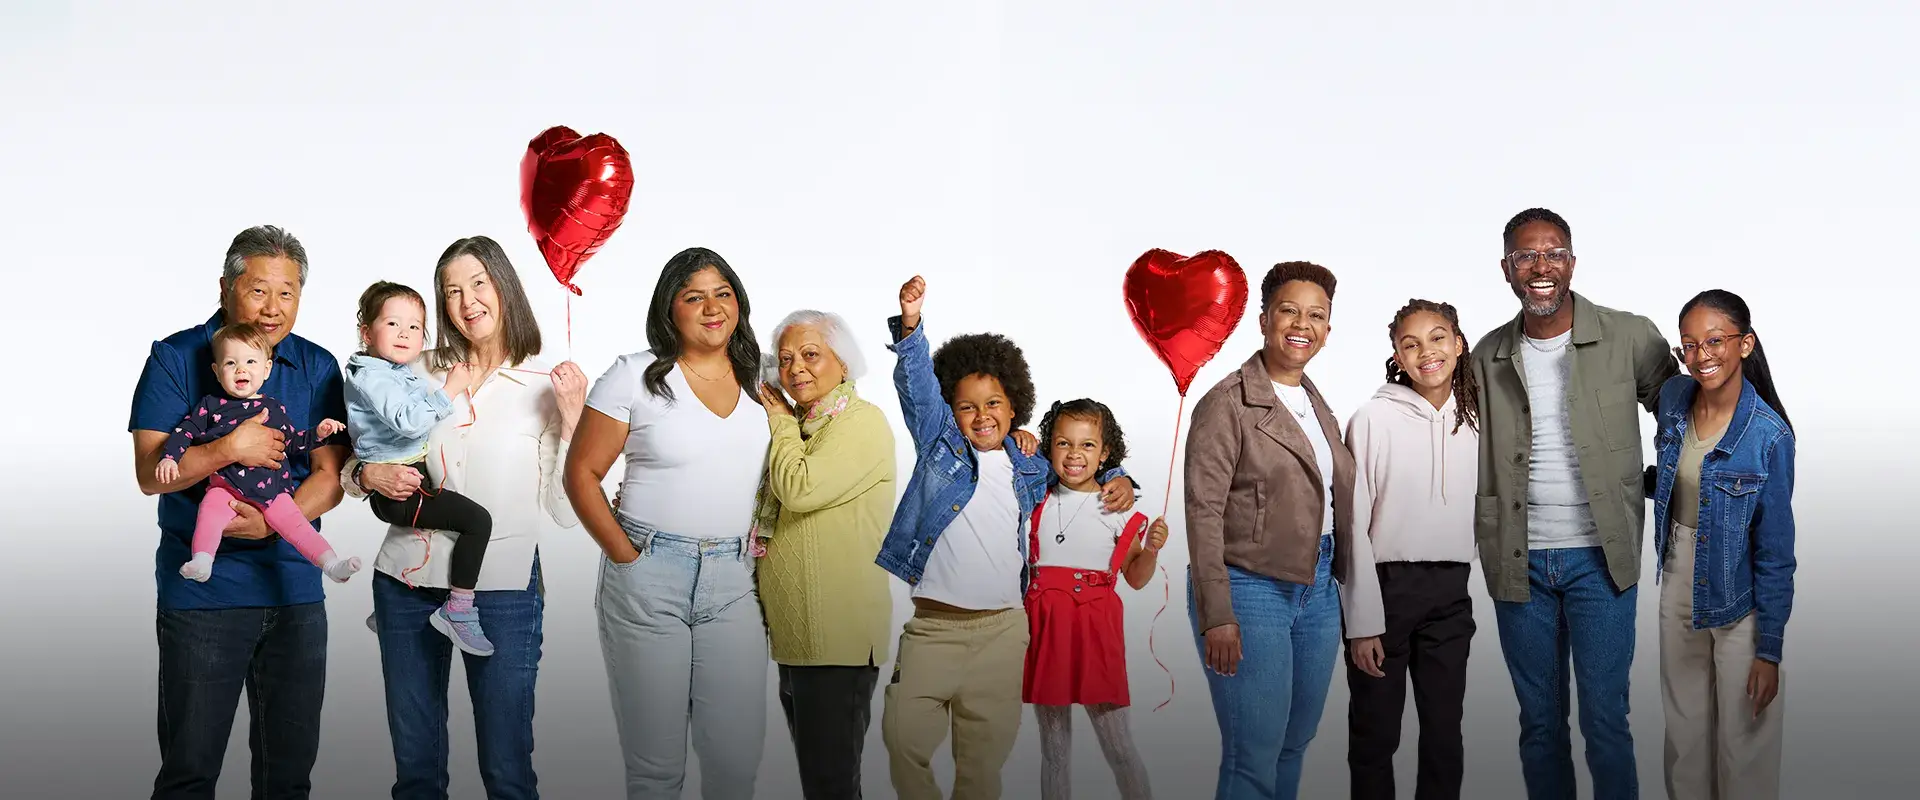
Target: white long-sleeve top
x,y
503,450
1414,481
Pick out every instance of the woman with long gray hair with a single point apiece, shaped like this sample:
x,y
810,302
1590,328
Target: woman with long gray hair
x,y
824,506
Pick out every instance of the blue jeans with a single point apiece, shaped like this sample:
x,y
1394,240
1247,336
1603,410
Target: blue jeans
x,y
279,655
415,661
1269,711
685,648
1572,609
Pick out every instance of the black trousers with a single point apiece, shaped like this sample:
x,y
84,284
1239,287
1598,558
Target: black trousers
x,y
1429,632
442,510
828,711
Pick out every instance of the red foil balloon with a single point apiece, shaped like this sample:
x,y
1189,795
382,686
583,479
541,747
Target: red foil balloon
x,y
574,190
1185,307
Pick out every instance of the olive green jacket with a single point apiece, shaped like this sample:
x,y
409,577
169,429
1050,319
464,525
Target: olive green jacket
x,y
1619,362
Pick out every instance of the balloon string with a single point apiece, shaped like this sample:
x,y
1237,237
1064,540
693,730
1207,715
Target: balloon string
x,y
1166,595
570,327
426,552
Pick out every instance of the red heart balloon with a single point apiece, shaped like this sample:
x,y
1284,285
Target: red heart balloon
x,y
1185,307
574,190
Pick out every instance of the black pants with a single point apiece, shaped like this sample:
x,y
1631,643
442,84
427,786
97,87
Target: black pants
x,y
828,710
442,510
1429,631
278,656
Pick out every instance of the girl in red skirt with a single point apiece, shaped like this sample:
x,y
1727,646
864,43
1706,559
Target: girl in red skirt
x,y
1077,652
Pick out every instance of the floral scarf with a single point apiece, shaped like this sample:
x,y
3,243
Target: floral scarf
x,y
766,511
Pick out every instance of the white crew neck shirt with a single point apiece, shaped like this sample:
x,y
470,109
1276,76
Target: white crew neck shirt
x,y
976,563
1295,401
1558,515
689,471
1077,532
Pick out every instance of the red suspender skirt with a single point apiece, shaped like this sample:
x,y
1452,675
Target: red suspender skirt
x,y
1077,647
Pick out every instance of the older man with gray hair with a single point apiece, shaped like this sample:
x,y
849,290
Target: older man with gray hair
x,y
259,622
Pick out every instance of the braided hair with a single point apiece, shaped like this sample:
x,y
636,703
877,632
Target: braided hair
x,y
1466,385
1097,412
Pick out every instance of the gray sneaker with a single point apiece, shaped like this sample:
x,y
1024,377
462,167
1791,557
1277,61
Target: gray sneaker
x,y
370,625
464,629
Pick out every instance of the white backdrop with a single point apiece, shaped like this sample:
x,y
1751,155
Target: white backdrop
x,y
1018,155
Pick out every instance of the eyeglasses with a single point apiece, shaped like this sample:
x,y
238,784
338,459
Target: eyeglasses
x,y
1717,344
1558,257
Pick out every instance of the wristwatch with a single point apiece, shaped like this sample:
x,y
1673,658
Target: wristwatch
x,y
357,467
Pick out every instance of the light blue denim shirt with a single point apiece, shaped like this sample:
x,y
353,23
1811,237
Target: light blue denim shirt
x,y
390,410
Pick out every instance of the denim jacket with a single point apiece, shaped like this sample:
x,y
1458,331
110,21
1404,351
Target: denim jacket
x,y
1743,550
945,468
391,410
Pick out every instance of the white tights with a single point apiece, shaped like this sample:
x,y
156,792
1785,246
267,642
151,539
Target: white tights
x,y
1116,742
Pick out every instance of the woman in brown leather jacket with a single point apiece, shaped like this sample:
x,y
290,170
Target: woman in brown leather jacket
x,y
1269,489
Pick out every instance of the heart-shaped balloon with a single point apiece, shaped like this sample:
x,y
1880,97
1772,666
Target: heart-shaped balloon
x,y
1185,307
574,190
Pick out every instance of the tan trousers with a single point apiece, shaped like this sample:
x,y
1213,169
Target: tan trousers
x,y
1715,749
958,672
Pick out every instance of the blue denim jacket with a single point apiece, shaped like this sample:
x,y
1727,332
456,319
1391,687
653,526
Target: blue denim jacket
x,y
1743,551
391,410
945,468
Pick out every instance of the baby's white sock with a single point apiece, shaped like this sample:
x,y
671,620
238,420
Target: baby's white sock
x,y
199,569
337,568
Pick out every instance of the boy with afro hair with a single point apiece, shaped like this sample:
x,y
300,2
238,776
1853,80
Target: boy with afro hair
x,y
959,538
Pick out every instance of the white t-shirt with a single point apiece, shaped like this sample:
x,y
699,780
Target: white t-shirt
x,y
690,472
1557,512
1296,401
1076,531
976,563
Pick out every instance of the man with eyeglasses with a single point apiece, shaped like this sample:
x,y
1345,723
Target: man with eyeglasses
x,y
1560,510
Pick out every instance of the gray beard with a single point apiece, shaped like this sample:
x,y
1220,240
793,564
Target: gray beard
x,y
1546,309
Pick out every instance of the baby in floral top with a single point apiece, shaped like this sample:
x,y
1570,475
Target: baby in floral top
x,y
242,359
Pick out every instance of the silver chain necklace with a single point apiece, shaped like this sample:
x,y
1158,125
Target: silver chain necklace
x,y
1061,536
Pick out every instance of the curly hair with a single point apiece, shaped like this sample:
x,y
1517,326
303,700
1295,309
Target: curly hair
x,y
1096,412
1466,385
994,356
1294,271
1528,217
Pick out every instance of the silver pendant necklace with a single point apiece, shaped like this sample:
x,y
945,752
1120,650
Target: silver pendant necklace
x,y
1061,536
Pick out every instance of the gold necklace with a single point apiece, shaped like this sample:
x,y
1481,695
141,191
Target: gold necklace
x,y
689,367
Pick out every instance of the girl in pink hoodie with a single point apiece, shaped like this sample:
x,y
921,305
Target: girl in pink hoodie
x,y
1404,597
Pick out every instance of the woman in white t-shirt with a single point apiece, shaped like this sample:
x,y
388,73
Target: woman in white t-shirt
x,y
677,586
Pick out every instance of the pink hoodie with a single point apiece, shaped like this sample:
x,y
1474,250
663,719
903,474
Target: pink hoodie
x,y
1414,481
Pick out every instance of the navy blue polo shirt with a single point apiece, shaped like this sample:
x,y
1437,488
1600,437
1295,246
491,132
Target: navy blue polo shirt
x,y
246,573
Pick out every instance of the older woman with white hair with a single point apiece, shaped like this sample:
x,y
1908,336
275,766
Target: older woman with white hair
x,y
824,507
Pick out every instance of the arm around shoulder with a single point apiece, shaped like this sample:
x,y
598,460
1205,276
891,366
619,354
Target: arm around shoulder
x,y
1653,363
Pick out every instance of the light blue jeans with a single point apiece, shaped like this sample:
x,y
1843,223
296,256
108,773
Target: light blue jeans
x,y
681,631
1270,710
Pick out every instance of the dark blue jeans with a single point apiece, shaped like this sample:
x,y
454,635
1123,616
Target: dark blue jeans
x,y
1269,711
279,656
416,660
1572,610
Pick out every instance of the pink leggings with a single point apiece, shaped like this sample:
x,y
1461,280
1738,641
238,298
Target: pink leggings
x,y
283,517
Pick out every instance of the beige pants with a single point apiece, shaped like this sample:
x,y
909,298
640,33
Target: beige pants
x,y
1715,749
960,672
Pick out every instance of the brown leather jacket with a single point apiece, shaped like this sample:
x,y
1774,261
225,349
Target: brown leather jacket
x,y
1254,496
